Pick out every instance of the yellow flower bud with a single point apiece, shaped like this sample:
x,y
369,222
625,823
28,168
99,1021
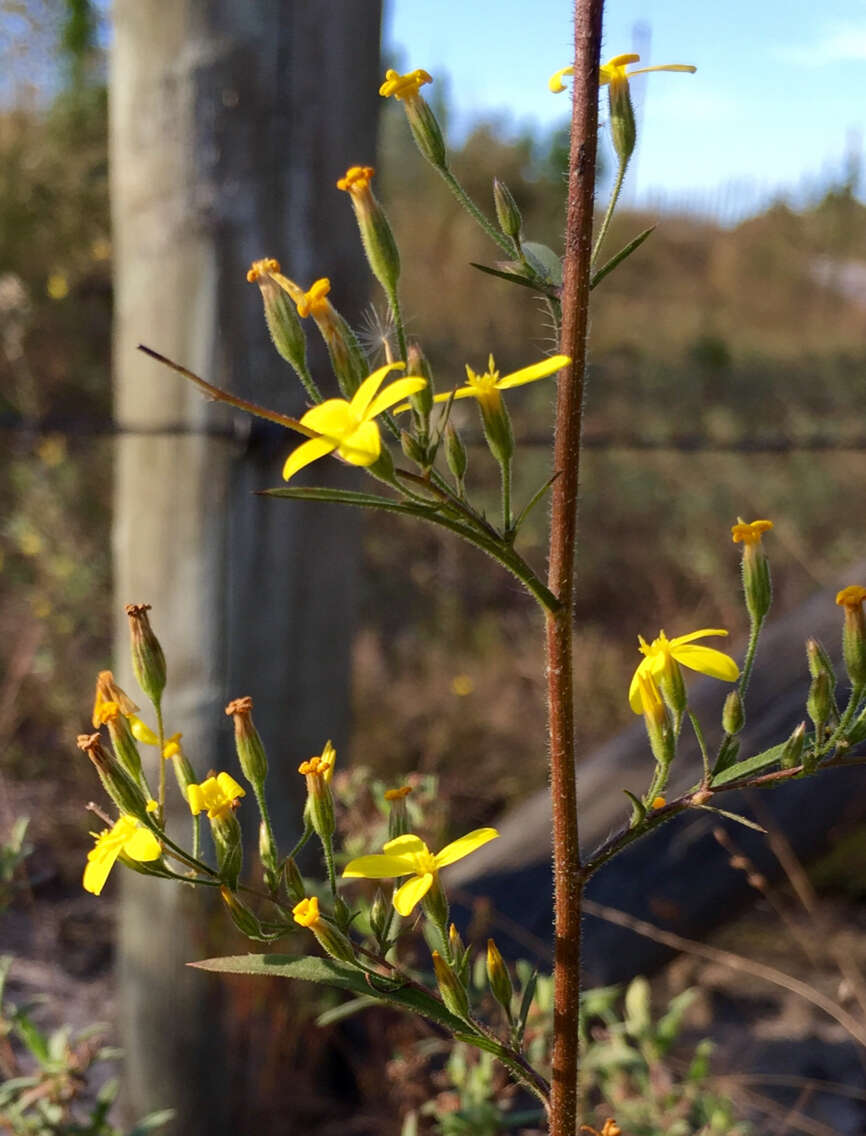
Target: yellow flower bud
x,y
248,743
374,227
854,633
450,987
757,585
499,978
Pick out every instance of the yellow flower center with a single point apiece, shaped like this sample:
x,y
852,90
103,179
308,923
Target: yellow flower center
x,y
357,179
314,302
851,597
107,712
404,86
306,912
260,268
749,532
424,863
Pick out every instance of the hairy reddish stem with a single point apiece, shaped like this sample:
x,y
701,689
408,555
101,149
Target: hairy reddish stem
x,y
567,872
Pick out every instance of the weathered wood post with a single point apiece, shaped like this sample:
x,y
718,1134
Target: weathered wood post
x,y
229,126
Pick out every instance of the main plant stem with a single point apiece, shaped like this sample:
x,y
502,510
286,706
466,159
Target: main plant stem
x,y
567,869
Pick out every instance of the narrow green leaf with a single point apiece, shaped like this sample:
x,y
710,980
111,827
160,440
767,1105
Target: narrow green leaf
x,y
750,765
526,1003
349,497
619,257
345,1010
733,816
533,501
330,972
638,808
152,1121
533,283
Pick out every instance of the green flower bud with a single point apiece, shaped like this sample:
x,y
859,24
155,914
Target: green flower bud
x,y
623,130
280,315
123,743
657,720
148,661
455,454
792,754
418,364
733,714
499,978
450,987
244,919
115,780
507,212
381,915
398,813
248,743
819,702
376,235
818,661
294,881
413,449
268,856
226,832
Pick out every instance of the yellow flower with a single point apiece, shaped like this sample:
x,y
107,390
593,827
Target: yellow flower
x,y
107,691
749,532
219,795
313,302
348,427
614,71
307,912
404,86
486,386
172,746
410,855
126,836
663,654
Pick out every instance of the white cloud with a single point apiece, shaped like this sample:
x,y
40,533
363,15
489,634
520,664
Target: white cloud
x,y
839,43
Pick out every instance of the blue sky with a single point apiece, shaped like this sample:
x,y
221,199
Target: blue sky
x,y
779,93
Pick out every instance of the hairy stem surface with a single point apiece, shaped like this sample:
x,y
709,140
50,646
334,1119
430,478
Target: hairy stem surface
x,y
568,884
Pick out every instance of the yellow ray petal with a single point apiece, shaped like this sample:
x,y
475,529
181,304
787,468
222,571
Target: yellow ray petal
x,y
366,392
665,67
402,388
407,845
555,82
708,661
96,872
412,892
457,849
704,633
142,845
305,453
536,371
332,417
378,867
634,699
229,786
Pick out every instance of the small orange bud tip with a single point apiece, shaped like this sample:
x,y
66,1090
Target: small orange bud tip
x,y
659,802
398,794
240,706
852,596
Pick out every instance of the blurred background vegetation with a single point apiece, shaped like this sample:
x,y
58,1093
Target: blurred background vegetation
x,y
754,332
